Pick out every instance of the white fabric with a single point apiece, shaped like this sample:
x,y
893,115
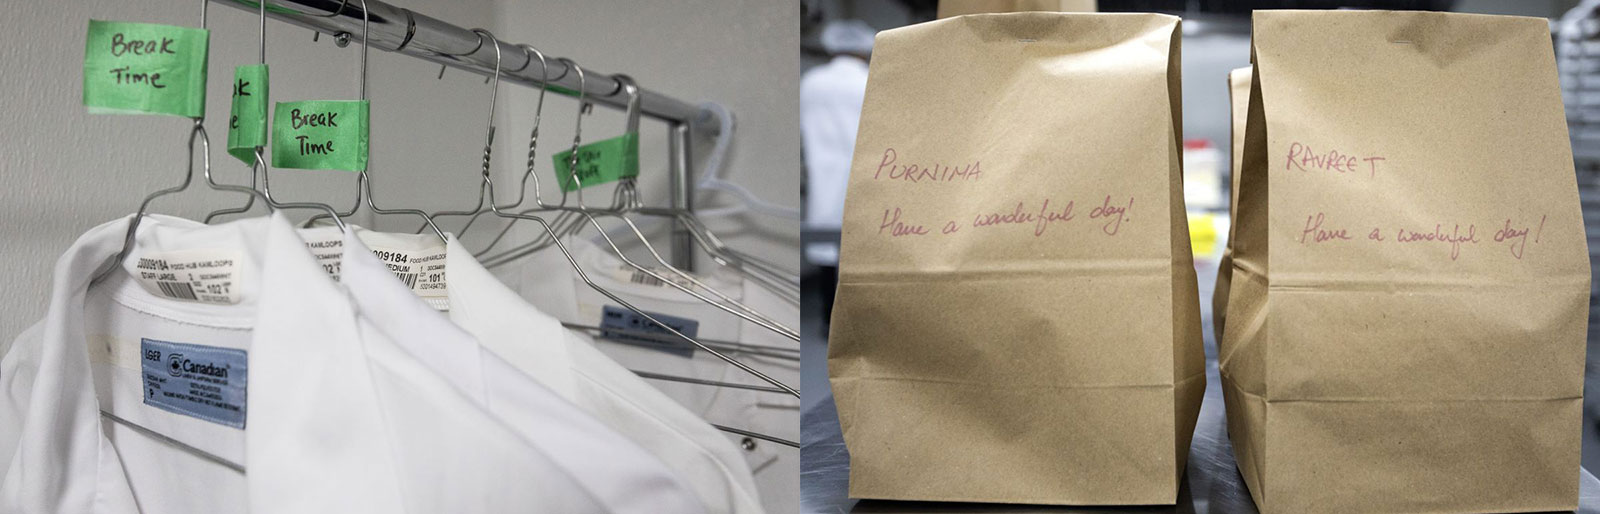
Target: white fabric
x,y
547,281
615,470
853,36
537,344
338,418
830,113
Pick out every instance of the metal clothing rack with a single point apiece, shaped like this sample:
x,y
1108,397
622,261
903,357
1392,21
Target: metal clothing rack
x,y
401,30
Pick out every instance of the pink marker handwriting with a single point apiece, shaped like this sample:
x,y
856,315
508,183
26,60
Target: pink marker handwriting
x,y
1114,215
1455,237
1314,231
1514,235
1303,158
1020,214
1042,217
888,168
1516,239
897,228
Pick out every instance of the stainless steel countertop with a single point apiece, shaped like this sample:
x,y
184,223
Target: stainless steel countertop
x,y
1212,483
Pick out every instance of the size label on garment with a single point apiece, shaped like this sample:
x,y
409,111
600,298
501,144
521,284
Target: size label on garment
x,y
421,270
144,68
247,127
206,382
626,326
320,135
327,246
599,162
204,276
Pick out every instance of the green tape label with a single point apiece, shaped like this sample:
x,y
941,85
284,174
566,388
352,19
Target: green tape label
x,y
600,162
320,135
247,127
143,68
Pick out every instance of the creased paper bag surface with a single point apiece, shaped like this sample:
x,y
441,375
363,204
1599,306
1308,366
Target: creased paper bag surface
x,y
1238,103
953,8
1411,283
1017,318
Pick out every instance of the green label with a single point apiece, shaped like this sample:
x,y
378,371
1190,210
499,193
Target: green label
x,y
600,162
143,68
247,127
320,135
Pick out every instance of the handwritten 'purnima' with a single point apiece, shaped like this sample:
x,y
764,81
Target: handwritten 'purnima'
x,y
917,173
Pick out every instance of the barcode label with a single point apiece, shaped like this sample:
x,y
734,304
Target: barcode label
x,y
640,277
422,270
179,290
651,277
194,275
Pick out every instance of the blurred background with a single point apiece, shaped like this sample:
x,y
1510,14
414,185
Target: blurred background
x,y
835,46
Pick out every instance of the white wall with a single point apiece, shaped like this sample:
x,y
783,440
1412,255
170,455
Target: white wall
x,y
68,171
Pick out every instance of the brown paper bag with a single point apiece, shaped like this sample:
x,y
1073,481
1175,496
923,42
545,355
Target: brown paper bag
x,y
1016,318
1238,101
1410,289
953,8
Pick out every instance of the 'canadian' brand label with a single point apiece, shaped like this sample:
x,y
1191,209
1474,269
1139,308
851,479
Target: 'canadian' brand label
x,y
205,382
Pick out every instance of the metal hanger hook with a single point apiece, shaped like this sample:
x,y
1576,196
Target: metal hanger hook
x,y
366,33
577,132
538,110
494,96
631,88
533,137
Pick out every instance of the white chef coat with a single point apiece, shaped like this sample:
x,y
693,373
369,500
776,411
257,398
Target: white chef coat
x,y
830,113
337,417
536,343
614,469
546,280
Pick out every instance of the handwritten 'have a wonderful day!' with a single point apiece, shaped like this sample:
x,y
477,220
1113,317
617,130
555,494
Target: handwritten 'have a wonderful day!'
x,y
1111,213
1319,230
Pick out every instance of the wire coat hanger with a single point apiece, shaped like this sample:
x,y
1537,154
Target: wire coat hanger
x,y
623,193
486,198
488,143
533,145
363,181
261,58
260,164
576,142
198,132
744,312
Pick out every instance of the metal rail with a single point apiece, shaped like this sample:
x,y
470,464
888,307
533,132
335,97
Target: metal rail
x,y
401,30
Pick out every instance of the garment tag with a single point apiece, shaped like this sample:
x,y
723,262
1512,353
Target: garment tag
x,y
421,270
327,248
144,68
204,276
632,275
320,135
205,382
247,127
613,318
600,162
